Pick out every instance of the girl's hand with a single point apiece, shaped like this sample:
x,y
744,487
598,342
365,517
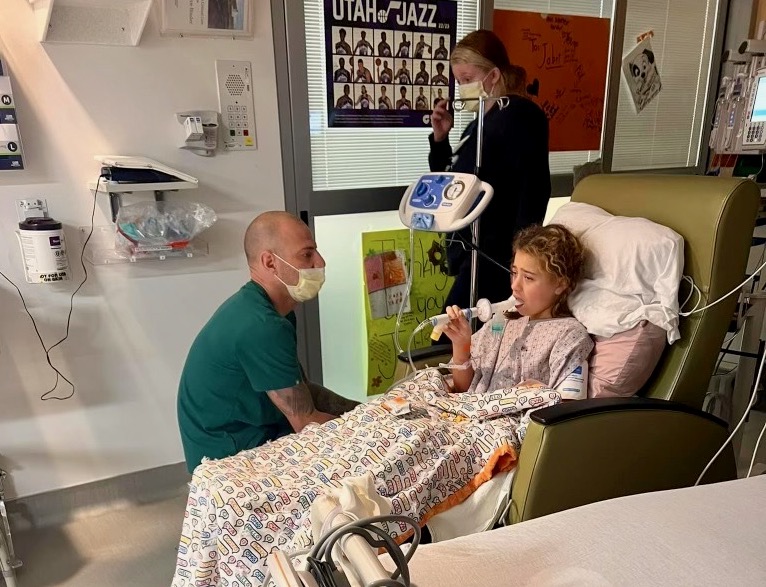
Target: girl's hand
x,y
458,330
441,121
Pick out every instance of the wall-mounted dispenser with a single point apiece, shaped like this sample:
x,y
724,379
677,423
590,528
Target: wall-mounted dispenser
x,y
199,131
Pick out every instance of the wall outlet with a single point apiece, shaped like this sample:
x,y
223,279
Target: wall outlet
x,y
30,208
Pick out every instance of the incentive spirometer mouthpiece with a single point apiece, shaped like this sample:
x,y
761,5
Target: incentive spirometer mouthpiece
x,y
484,310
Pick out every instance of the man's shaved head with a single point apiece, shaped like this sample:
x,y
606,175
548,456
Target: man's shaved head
x,y
268,231
278,247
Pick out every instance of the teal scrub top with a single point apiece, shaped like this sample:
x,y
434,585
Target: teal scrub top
x,y
246,349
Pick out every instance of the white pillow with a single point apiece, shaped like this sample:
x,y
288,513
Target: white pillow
x,y
632,273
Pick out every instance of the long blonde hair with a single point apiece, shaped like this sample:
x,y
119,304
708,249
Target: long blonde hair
x,y
485,50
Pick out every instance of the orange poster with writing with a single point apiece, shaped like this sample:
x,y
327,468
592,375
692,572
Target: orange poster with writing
x,y
566,61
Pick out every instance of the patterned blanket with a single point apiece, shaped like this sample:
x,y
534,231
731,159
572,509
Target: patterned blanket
x,y
241,508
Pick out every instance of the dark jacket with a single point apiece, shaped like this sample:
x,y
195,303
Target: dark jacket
x,y
515,164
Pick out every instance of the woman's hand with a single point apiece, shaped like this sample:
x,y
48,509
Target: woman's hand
x,y
458,330
441,121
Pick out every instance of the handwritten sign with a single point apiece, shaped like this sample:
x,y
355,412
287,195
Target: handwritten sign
x,y
566,62
430,286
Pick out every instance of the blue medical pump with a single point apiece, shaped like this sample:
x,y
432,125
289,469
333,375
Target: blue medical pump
x,y
448,202
444,202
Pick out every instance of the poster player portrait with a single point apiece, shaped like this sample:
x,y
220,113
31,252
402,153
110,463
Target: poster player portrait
x,y
403,103
341,75
363,98
363,45
343,98
403,75
384,102
423,45
384,46
439,79
421,77
385,73
362,73
421,99
442,51
340,43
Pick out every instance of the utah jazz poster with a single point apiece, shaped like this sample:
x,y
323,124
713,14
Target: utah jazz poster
x,y
387,61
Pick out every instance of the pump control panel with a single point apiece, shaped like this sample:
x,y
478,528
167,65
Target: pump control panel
x,y
444,202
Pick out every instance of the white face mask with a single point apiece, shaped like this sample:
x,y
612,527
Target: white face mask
x,y
473,91
309,282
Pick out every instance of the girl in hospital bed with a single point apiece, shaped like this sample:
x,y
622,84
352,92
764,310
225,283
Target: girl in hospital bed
x,y
540,345
425,456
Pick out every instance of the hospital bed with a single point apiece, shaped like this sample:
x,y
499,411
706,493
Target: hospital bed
x,y
707,535
586,451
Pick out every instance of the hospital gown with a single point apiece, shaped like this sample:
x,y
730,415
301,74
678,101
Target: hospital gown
x,y
546,350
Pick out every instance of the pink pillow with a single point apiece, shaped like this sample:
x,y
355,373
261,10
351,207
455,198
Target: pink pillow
x,y
622,363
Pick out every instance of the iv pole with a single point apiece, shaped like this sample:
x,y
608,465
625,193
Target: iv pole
x,y
501,103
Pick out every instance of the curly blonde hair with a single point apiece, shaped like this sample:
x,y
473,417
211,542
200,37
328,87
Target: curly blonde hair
x,y
559,252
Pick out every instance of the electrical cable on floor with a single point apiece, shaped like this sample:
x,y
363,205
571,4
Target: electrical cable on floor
x,y
47,350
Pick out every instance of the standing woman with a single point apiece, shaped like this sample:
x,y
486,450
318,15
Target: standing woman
x,y
514,162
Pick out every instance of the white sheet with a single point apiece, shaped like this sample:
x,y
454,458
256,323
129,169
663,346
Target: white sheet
x,y
478,513
710,535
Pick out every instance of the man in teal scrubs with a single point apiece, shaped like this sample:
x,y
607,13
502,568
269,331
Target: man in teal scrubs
x,y
242,384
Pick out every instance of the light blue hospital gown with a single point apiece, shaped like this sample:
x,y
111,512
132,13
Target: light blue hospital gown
x,y
546,350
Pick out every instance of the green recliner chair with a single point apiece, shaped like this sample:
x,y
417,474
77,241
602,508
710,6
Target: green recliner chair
x,y
581,452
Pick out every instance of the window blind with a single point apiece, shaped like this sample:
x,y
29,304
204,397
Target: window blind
x,y
355,158
601,8
667,132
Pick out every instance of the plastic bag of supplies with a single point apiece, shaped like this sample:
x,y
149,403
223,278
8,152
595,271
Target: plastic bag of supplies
x,y
161,225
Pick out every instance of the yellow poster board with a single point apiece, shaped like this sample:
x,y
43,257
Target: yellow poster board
x,y
386,259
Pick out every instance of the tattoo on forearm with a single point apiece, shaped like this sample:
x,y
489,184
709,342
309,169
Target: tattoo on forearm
x,y
294,401
330,402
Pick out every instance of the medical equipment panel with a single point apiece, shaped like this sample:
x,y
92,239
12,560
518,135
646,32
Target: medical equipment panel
x,y
735,113
444,202
235,98
720,106
755,123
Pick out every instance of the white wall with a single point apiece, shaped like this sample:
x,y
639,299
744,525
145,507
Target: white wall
x,y
737,25
132,324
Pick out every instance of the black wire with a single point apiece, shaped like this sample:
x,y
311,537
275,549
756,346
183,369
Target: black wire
x,y
40,338
482,253
322,572
723,353
47,351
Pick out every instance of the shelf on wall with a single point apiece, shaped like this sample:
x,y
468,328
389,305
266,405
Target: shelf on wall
x,y
99,22
114,187
102,249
